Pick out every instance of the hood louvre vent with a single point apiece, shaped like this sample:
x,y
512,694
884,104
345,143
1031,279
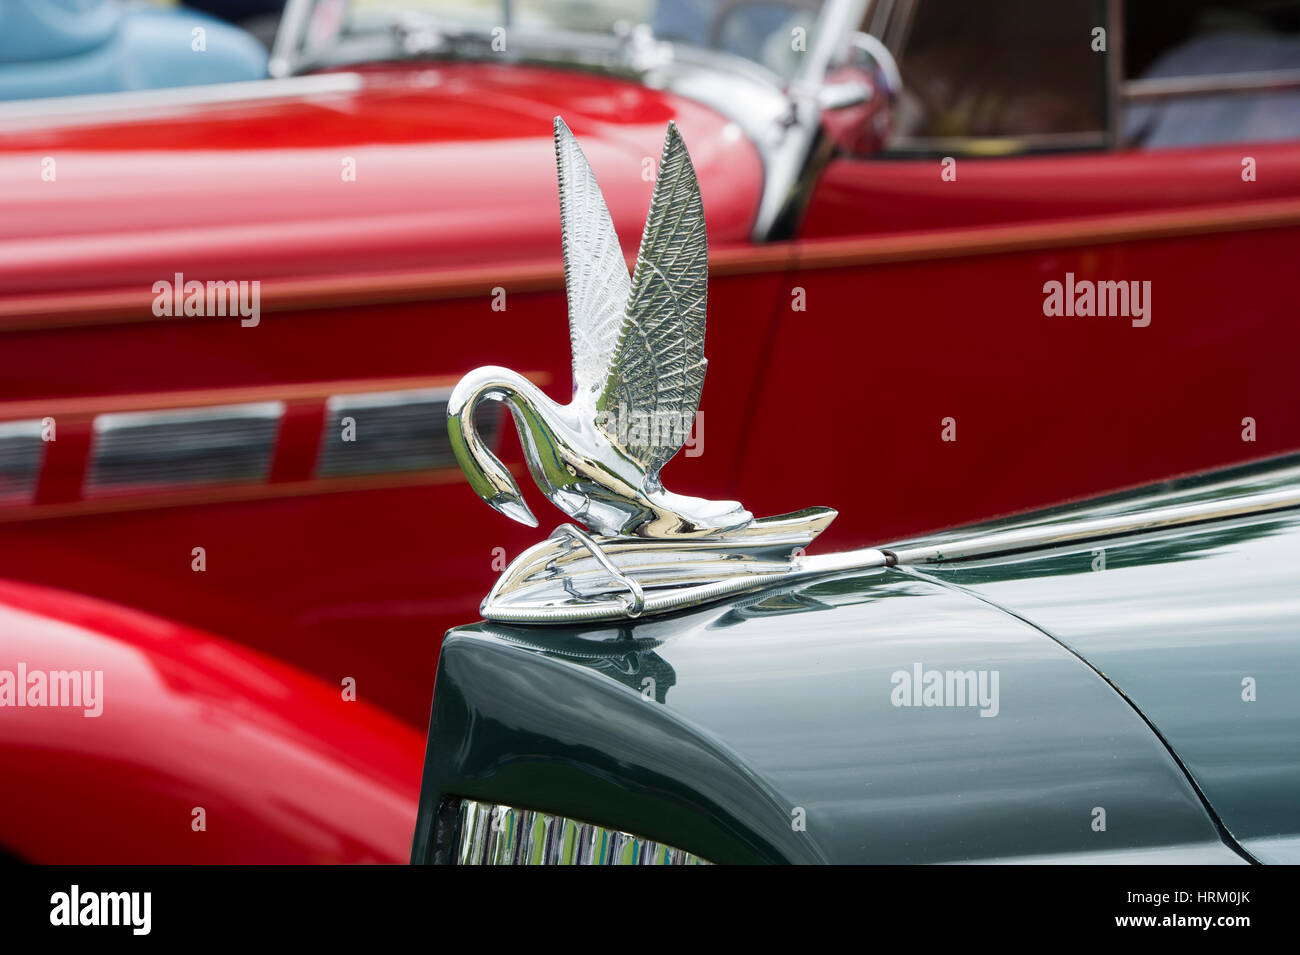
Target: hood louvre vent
x,y
180,448
21,451
390,431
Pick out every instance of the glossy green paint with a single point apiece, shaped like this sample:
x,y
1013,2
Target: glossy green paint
x,y
1201,631
721,730
776,710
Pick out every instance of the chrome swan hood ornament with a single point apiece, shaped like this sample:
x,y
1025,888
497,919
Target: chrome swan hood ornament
x,y
638,372
638,367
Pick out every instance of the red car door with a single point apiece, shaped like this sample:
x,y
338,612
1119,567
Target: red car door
x,y
956,333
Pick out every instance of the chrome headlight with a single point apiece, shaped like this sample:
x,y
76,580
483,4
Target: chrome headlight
x,y
495,834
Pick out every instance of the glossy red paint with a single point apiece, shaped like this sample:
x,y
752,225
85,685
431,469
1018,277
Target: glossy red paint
x,y
859,197
1062,408
454,167
285,770
1046,409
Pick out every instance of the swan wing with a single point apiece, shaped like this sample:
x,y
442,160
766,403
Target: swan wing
x,y
653,389
595,273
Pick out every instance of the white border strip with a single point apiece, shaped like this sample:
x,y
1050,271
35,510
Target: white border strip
x,y
91,108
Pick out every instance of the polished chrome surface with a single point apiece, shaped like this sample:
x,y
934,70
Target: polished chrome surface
x,y
563,580
175,448
1054,534
789,148
638,372
880,56
634,601
21,452
556,583
286,47
390,431
496,834
638,368
553,584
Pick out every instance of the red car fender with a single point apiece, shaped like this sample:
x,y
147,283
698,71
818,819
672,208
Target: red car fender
x,y
186,749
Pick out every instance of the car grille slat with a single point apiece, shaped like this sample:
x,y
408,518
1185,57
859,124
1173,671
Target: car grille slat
x,y
497,834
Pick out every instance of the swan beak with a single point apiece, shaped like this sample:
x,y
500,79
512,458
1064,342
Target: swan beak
x,y
513,507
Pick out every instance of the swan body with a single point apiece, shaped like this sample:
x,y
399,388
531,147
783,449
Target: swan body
x,y
638,368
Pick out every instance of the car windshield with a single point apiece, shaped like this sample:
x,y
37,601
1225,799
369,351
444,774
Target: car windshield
x,y
772,33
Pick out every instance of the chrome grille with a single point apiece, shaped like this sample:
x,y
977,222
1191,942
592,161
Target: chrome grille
x,y
21,451
496,834
394,431
160,449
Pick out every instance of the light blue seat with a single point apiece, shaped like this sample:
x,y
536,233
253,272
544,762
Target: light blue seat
x,y
70,47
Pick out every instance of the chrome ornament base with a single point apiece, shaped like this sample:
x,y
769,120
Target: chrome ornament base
x,y
572,577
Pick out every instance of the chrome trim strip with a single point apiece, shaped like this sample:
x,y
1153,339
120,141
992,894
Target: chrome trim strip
x,y
539,610
893,25
91,107
1054,535
636,594
181,448
838,20
1218,84
542,608
285,46
21,454
789,148
394,431
1114,73
681,598
556,582
497,834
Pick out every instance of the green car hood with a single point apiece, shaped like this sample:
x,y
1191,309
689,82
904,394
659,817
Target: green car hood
x,y
790,726
1199,629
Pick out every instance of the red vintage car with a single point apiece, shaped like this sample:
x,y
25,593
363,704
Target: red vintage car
x,y
231,315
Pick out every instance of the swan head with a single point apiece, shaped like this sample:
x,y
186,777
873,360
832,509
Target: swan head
x,y
484,471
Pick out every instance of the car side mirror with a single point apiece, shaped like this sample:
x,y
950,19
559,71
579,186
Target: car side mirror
x,y
858,95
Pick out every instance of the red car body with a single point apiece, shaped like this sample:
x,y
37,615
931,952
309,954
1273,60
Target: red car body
x,y
196,750
838,356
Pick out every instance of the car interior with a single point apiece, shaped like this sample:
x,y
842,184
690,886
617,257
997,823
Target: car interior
x,y
961,79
